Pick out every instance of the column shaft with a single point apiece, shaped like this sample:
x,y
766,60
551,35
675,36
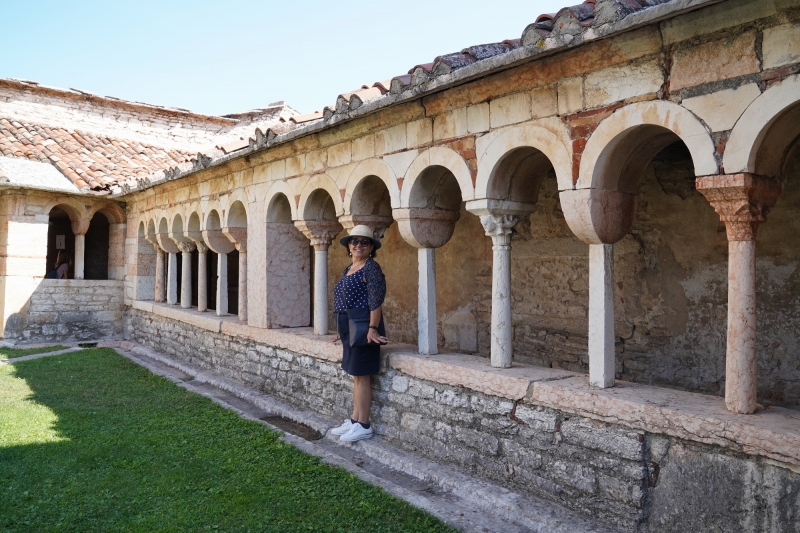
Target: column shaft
x,y
202,280
186,280
321,291
243,286
222,284
159,291
601,315
80,254
502,346
172,279
741,364
426,316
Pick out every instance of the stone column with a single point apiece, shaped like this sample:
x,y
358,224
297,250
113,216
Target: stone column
x,y
499,228
426,229
186,249
426,302
80,253
222,284
742,202
242,283
321,233
172,279
202,277
601,315
159,291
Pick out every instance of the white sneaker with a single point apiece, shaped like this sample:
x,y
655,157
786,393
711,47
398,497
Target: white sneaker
x,y
357,432
344,428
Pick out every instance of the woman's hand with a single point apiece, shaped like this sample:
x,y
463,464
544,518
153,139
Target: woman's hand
x,y
374,337
336,339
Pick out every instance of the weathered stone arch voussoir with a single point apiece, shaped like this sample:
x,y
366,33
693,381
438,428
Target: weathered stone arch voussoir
x,y
749,132
238,195
549,136
371,167
281,187
326,183
76,210
113,212
443,157
617,130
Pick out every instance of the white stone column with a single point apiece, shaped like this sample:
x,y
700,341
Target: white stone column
x,y
242,284
601,315
742,202
321,233
222,284
186,249
499,228
321,290
202,277
159,285
80,254
426,314
172,279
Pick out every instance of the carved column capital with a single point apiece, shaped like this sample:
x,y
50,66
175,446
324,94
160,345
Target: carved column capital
x,y
499,227
741,200
157,248
378,223
238,236
320,232
201,247
185,247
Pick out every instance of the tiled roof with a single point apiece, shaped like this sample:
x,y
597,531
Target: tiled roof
x,y
89,160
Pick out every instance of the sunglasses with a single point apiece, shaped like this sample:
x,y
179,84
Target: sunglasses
x,y
362,242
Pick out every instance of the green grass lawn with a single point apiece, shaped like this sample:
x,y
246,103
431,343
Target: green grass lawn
x,y
10,353
92,442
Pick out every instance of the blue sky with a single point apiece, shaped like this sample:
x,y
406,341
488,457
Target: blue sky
x,y
233,55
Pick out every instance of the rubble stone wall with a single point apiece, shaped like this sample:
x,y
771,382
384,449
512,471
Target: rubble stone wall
x,y
634,480
73,310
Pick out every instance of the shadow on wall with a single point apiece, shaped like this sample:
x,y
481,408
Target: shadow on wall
x,y
69,310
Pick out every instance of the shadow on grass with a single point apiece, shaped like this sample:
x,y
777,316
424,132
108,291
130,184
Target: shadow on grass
x,y
140,454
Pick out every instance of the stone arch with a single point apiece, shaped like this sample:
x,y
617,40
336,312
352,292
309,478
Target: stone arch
x,y
310,198
229,201
281,188
441,158
113,212
523,149
624,143
78,214
236,216
763,137
376,168
279,209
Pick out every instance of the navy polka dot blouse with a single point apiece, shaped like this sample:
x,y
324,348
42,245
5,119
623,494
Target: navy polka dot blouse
x,y
365,288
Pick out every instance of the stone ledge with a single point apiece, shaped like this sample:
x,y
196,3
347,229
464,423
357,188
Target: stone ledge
x,y
81,283
773,432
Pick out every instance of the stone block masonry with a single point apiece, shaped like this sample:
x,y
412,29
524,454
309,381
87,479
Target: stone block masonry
x,y
632,479
73,310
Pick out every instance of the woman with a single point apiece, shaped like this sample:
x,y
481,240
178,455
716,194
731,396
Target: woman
x,y
358,298
62,265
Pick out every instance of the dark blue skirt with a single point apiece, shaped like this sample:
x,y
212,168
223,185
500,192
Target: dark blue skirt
x,y
358,360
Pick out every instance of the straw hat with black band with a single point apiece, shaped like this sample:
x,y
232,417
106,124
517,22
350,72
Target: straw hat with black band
x,y
360,231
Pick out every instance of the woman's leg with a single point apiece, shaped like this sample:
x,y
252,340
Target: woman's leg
x,y
362,398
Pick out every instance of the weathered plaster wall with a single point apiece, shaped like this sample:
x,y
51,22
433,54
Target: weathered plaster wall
x,y
634,480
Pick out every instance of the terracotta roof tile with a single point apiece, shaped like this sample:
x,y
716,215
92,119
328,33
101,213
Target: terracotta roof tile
x,y
88,160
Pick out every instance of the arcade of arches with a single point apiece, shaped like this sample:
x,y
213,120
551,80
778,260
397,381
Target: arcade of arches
x,y
589,282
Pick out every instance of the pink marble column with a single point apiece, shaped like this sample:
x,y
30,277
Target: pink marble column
x,y
202,277
742,202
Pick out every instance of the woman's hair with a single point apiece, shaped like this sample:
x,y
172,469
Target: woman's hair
x,y
63,257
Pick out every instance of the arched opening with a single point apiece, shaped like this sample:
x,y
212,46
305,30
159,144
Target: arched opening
x,y
288,268
219,247
371,198
518,175
320,212
436,188
97,247
60,237
236,230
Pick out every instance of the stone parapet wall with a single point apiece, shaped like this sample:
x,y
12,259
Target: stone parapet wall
x,y
70,310
633,478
